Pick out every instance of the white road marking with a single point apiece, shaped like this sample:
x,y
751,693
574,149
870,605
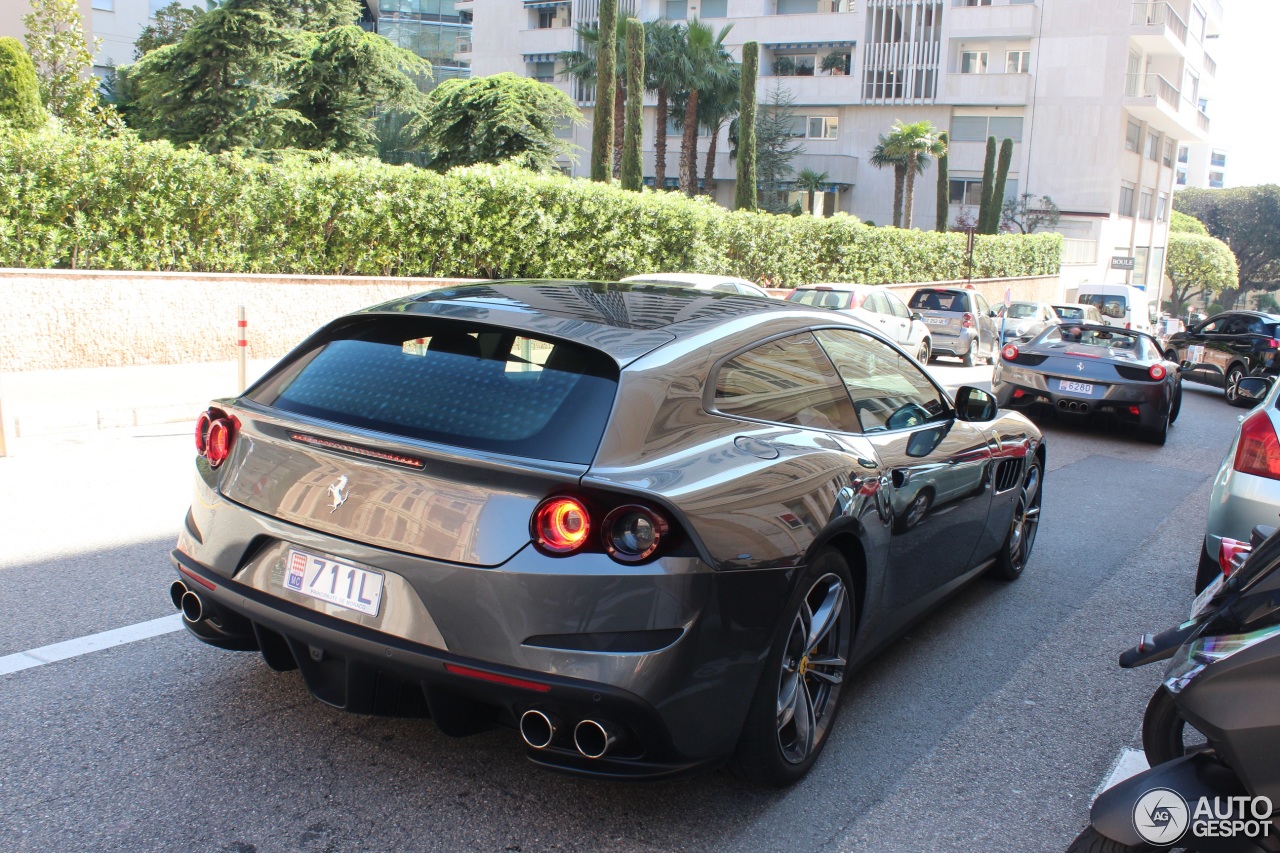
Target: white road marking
x,y
1130,763
92,643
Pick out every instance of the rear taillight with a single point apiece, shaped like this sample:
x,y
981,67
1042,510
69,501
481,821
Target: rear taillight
x,y
215,433
1128,325
1232,554
561,524
967,320
1157,372
1009,353
633,533
1258,451
1272,343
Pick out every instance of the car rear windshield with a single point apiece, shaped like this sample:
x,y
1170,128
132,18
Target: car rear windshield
x,y
1108,306
1068,312
461,384
1023,310
939,300
839,299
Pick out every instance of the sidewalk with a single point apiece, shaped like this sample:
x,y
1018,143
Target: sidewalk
x,y
49,402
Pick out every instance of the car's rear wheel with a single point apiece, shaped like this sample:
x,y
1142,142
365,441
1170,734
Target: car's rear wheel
x,y
1166,735
970,358
1160,434
923,353
1171,355
1022,530
1207,572
1176,407
1232,388
796,701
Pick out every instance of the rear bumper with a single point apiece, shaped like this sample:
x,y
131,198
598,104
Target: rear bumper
x,y
1239,503
945,343
1022,388
689,722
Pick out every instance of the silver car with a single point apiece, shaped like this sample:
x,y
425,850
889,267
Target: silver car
x,y
1246,491
1024,320
704,281
878,307
649,528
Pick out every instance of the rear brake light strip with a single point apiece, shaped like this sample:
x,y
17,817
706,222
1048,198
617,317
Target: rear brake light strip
x,y
356,450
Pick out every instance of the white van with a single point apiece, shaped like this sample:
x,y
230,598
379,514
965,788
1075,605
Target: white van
x,y
1122,305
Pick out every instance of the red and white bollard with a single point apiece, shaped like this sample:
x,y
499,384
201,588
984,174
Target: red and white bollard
x,y
241,345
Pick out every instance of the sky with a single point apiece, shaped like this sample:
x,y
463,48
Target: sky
x,y
1243,113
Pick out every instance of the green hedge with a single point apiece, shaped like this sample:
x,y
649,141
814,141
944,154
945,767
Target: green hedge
x,y
125,204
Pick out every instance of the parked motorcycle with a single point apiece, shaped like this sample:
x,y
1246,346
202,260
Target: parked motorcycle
x,y
1212,730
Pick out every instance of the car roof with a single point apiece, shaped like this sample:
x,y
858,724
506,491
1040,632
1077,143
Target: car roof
x,y
692,279
841,286
623,319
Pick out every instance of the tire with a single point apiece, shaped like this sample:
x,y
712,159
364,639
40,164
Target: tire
x,y
924,352
1207,572
1092,841
1234,374
1016,549
776,751
1160,434
1171,355
1176,408
970,358
1166,735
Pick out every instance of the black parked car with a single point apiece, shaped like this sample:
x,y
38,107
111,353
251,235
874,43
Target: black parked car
x,y
1228,347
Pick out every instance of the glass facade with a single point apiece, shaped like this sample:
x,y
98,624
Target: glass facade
x,y
432,29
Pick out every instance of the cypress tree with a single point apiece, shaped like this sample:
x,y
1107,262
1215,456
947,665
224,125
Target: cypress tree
x,y
997,192
606,83
632,165
988,184
944,185
19,88
744,196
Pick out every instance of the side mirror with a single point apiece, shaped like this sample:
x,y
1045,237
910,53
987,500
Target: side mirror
x,y
1254,387
993,313
975,405
916,315
1185,366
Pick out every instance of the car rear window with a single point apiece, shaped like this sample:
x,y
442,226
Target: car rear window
x,y
1108,306
938,300
835,299
1023,310
1067,312
465,385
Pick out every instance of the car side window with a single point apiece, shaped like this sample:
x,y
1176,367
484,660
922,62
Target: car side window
x,y
877,303
897,306
888,391
785,381
726,287
983,308
1215,326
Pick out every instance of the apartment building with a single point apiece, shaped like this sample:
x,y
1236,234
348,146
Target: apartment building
x,y
1097,95
1201,166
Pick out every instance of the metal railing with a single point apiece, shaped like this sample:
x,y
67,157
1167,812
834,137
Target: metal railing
x,y
1151,85
1159,14
463,45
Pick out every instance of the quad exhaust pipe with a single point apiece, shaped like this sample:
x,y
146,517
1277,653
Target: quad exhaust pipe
x,y
593,739
187,601
1073,406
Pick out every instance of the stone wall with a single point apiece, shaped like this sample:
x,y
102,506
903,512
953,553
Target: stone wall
x,y
55,319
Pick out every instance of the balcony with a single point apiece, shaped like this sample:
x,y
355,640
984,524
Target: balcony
x,y
841,169
1153,99
813,90
551,40
1157,28
1210,67
1003,19
996,90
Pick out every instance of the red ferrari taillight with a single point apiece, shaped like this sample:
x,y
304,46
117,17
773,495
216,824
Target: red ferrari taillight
x,y
967,320
633,533
1258,451
1272,343
1157,372
202,432
1232,555
561,524
215,433
1009,353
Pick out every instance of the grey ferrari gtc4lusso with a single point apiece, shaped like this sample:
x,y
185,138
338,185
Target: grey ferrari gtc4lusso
x,y
649,527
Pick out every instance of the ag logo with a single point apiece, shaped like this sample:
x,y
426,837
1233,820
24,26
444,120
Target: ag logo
x,y
1160,816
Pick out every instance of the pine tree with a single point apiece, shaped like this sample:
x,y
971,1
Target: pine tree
x,y
988,185
632,165
745,191
992,225
19,89
944,186
606,83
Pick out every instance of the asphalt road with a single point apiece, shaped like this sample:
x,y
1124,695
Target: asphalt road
x,y
987,728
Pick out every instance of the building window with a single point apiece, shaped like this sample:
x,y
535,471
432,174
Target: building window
x,y
715,8
973,62
823,127
1162,208
1146,205
1126,200
1216,180
677,10
1168,153
1132,136
1181,177
1140,256
973,3
1153,146
1182,153
104,5
675,130
795,64
1218,160
978,128
966,191
1017,62
543,72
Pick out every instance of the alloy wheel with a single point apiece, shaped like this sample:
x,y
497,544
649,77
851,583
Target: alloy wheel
x,y
1026,520
813,667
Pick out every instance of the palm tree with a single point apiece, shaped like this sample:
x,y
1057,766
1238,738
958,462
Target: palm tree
x,y
716,106
709,63
810,181
914,144
883,158
665,67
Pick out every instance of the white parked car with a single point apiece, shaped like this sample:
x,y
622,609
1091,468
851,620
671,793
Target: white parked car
x,y
702,281
878,307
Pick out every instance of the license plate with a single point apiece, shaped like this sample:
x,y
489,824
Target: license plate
x,y
333,581
1075,387
936,321
1203,599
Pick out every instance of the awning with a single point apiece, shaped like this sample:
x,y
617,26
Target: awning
x,y
544,4
540,57
808,45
